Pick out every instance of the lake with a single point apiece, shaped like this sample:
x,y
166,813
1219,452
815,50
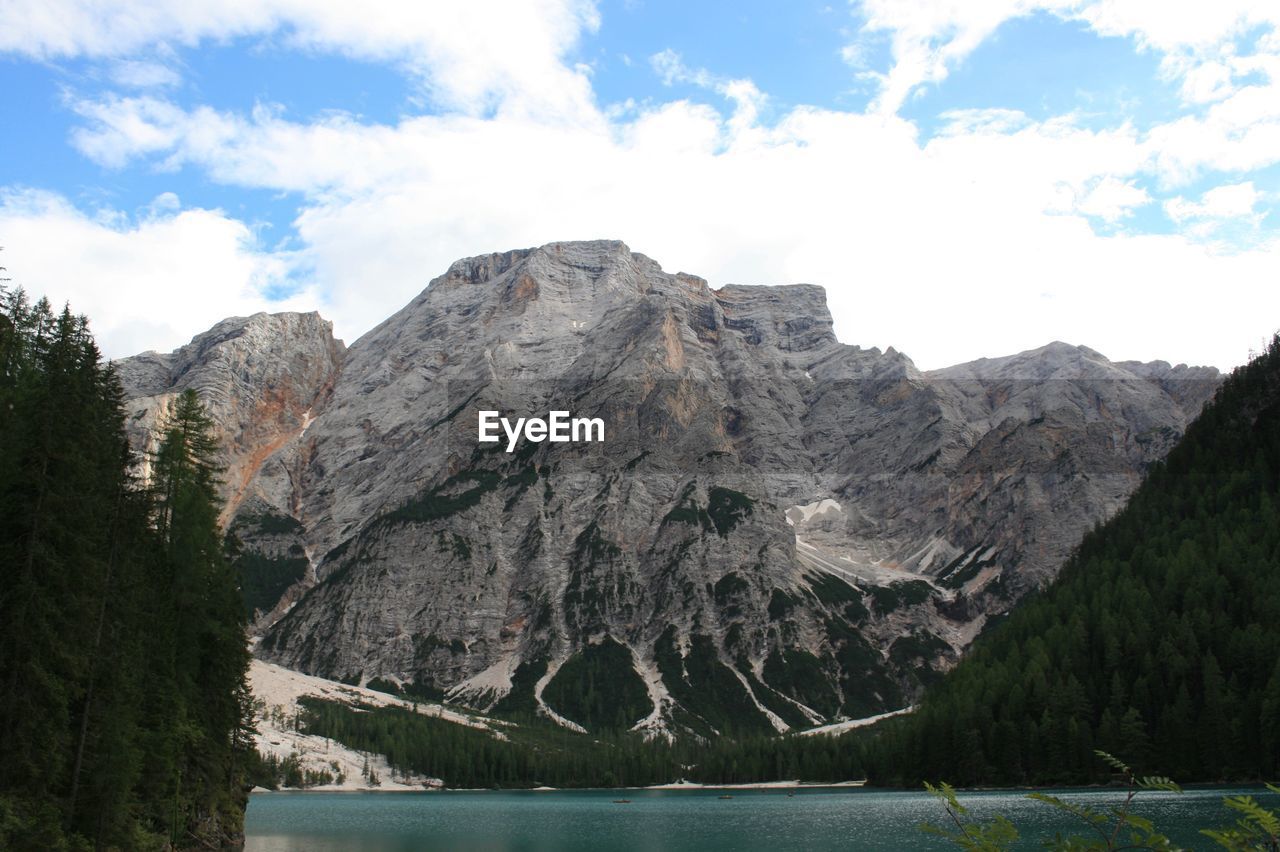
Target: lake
x,y
813,819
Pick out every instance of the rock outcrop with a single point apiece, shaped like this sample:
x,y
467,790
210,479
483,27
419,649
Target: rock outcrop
x,y
260,377
779,530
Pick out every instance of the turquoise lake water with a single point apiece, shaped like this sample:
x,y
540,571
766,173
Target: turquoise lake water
x,y
693,820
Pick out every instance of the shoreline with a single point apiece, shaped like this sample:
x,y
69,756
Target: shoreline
x,y
743,787
675,786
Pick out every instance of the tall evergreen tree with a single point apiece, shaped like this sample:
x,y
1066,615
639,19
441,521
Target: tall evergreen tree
x,y
197,640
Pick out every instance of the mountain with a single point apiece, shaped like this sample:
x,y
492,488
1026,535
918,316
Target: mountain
x,y
1157,643
779,530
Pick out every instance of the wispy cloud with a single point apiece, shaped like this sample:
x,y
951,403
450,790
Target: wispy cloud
x,y
143,74
1228,217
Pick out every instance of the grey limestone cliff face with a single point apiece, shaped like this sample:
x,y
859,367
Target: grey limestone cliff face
x,y
778,530
262,379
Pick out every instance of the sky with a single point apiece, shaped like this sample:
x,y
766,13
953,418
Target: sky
x,y
966,178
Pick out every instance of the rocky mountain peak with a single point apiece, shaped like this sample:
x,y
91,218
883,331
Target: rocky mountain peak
x,y
779,528
262,378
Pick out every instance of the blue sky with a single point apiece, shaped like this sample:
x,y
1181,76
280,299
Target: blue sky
x,y
966,180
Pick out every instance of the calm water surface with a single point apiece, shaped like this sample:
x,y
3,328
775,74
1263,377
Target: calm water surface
x,y
811,820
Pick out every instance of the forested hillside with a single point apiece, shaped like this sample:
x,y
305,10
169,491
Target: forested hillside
x,y
122,655
537,752
1159,642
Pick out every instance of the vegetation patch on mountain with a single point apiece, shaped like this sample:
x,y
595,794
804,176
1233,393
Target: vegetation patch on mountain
x,y
599,688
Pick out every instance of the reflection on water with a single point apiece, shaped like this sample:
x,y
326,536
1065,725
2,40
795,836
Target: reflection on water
x,y
670,820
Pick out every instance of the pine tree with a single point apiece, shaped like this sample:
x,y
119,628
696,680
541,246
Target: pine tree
x,y
202,640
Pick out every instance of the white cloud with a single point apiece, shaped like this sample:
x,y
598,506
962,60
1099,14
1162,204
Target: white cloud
x,y
150,284
1225,57
472,56
928,38
975,242
1172,27
747,99
1233,201
1207,82
671,69
1238,134
121,129
1112,199
994,121
914,241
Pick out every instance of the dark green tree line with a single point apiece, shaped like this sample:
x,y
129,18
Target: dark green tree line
x,y
122,658
538,752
